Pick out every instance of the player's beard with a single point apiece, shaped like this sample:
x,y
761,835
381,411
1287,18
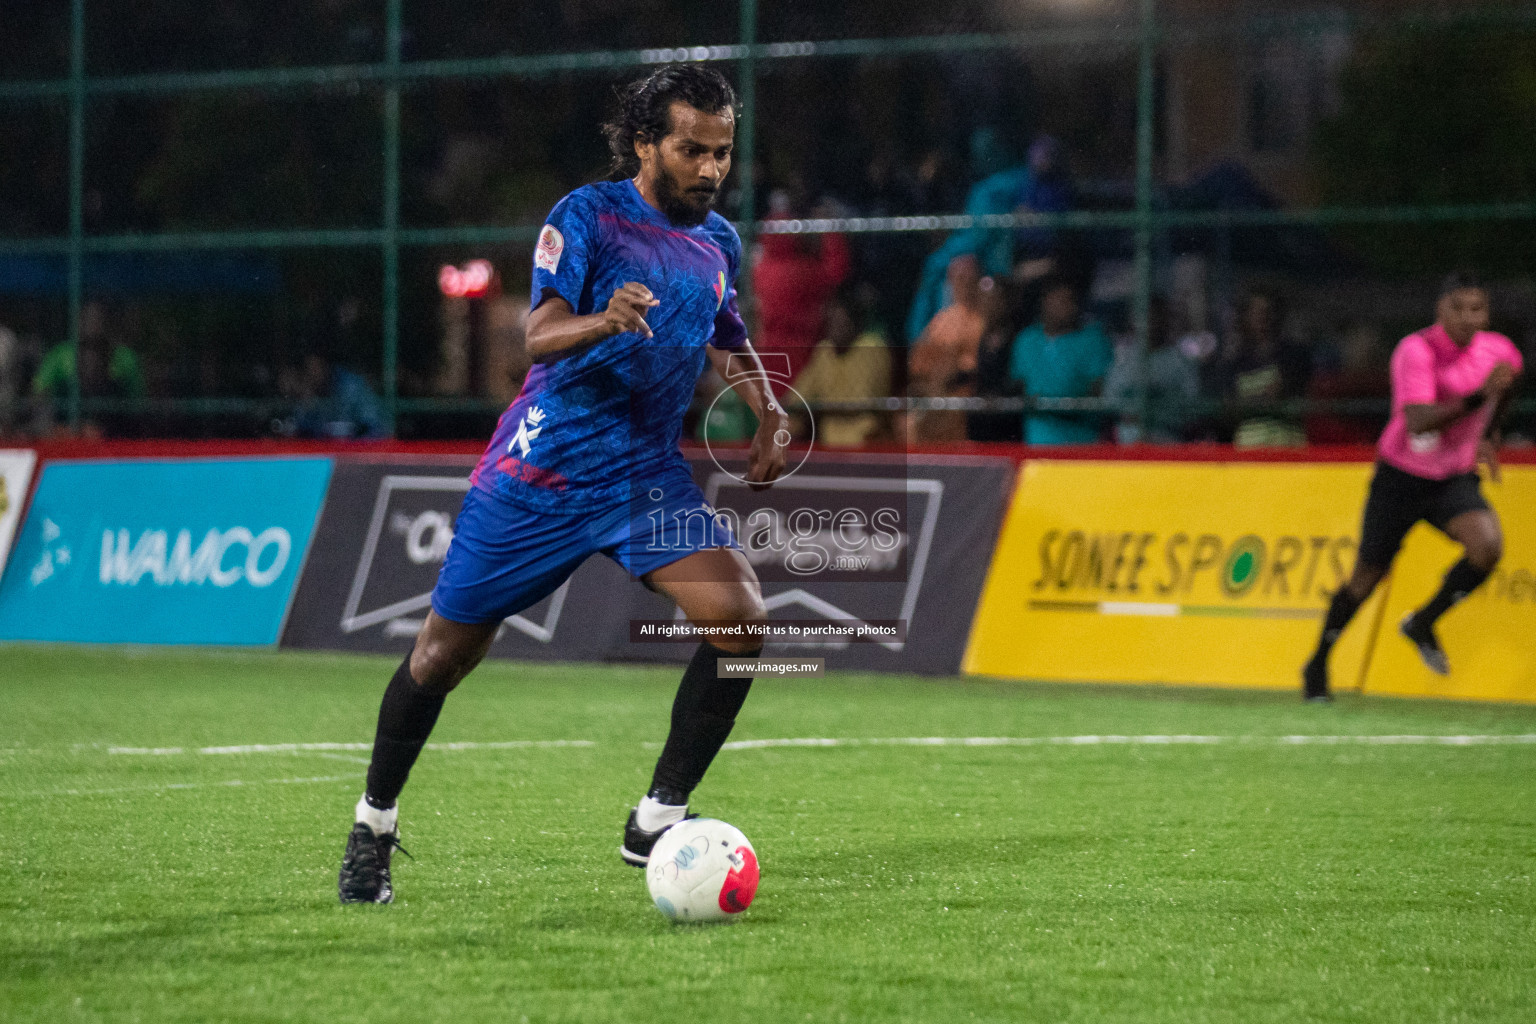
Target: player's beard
x,y
686,207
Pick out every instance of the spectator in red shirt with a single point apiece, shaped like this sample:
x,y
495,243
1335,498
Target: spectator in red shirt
x,y
794,277
1361,373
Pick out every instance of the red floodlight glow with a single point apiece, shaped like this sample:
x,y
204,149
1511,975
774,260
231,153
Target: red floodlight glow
x,y
472,281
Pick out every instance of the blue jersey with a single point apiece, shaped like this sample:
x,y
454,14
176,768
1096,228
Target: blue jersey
x,y
594,429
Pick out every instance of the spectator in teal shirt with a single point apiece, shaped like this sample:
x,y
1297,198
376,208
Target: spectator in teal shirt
x,y
1061,357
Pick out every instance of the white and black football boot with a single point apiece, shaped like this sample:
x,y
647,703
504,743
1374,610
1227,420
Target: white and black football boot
x,y
365,866
636,848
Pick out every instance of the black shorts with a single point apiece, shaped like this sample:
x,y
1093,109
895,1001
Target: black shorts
x,y
1398,500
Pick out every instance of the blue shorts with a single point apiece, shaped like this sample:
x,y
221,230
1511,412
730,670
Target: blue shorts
x,y
505,559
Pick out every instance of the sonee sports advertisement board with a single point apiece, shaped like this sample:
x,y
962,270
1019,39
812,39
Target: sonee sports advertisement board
x,y
1210,574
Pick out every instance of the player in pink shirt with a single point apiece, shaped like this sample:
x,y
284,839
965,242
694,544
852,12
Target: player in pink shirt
x,y
1450,383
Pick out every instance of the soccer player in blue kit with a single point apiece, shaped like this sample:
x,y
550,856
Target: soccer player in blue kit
x,y
633,289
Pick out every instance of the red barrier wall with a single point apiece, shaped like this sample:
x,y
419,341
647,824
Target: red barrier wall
x,y
97,449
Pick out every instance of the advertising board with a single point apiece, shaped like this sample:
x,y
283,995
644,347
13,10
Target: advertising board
x,y
162,552
381,540
16,467
1490,638
1212,574
866,539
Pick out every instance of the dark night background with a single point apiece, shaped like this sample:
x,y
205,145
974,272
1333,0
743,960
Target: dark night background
x,y
1383,117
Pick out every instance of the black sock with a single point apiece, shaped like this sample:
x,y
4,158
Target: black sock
x,y
702,716
406,718
1340,610
1460,580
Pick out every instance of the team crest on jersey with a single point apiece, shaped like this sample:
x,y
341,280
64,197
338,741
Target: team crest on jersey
x,y
546,255
530,427
720,289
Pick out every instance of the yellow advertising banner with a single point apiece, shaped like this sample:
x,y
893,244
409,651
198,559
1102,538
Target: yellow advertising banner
x,y
1211,574
1490,638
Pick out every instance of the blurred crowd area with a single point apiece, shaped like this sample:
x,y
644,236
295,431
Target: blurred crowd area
x,y
1276,335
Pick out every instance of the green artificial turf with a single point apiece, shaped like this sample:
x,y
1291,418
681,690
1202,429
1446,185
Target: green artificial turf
x,y
1238,881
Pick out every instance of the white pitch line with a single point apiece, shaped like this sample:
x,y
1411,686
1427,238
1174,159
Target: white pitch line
x,y
1498,739
1157,740
186,785
308,748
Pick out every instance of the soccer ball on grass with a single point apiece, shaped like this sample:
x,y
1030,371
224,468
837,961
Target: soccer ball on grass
x,y
702,870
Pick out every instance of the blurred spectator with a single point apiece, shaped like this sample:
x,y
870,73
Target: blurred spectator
x,y
1040,185
942,363
1173,383
1060,357
1048,189
998,191
1361,374
889,261
999,308
107,369
12,388
850,364
1260,370
792,280
506,361
483,351
333,402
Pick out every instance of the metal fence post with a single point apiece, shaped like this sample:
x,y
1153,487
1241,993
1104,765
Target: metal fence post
x,y
1145,112
746,135
76,273
389,372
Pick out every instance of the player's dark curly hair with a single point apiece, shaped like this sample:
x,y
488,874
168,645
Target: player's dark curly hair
x,y
645,102
1462,277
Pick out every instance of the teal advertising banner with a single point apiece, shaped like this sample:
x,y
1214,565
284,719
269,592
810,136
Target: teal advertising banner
x,y
162,552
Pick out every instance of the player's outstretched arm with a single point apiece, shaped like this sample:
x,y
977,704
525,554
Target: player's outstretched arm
x,y
555,331
765,459
1422,419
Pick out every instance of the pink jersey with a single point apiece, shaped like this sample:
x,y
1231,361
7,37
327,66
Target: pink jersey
x,y
1428,368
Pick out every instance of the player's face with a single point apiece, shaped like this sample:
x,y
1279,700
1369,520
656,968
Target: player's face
x,y
1058,310
1463,313
688,166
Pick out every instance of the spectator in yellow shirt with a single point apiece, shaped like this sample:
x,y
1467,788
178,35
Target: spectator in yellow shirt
x,y
850,364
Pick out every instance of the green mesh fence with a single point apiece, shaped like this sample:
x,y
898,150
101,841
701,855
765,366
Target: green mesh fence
x,y
1146,36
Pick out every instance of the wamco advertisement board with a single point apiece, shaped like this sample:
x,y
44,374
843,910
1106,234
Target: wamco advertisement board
x,y
184,552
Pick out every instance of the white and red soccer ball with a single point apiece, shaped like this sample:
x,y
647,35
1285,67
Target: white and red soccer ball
x,y
702,870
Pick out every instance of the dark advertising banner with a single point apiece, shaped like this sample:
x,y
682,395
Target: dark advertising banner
x,y
856,539
887,553
381,540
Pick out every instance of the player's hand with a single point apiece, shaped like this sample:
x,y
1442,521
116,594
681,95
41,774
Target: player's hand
x,y
626,310
770,447
1488,455
1499,380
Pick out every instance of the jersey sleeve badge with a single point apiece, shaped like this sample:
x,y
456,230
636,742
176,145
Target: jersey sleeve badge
x,y
546,255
